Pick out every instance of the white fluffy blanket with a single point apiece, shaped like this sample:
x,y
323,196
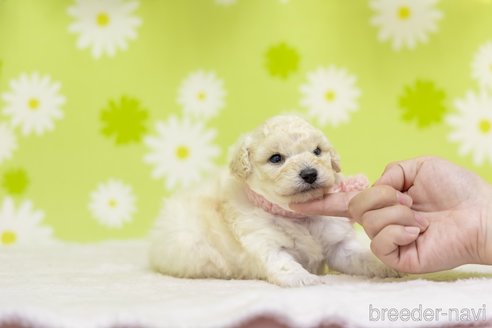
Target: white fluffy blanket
x,y
109,284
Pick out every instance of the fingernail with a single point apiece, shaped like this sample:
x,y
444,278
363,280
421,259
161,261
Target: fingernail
x,y
423,222
412,230
404,199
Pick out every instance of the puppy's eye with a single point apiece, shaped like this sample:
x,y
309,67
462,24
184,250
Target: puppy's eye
x,y
275,158
317,151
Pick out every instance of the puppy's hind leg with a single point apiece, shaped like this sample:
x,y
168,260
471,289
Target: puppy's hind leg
x,y
186,254
213,263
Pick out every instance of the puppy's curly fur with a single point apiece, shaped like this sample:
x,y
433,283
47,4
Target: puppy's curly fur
x,y
215,231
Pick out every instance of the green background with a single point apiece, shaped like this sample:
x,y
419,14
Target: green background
x,y
180,37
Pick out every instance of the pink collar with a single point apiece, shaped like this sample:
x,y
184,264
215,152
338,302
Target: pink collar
x,y
261,202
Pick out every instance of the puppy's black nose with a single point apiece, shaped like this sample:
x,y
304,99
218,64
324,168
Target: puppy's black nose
x,y
309,175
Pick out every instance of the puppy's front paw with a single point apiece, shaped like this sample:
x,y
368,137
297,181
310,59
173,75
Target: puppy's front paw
x,y
379,270
296,279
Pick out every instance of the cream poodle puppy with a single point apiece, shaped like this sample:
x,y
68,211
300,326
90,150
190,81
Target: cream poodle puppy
x,y
238,225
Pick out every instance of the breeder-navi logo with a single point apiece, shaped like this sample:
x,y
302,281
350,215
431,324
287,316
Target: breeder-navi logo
x,y
427,314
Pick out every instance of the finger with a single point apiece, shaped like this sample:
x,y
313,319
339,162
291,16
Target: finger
x,y
375,221
375,198
331,205
385,245
401,175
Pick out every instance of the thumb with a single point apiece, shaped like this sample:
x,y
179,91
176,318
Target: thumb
x,y
331,205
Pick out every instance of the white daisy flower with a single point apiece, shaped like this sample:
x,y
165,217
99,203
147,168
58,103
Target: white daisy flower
x,y
182,152
112,203
330,95
405,22
482,66
22,225
104,25
202,94
472,126
8,142
33,103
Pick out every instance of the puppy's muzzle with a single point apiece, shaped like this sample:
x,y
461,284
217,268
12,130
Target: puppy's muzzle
x,y
309,175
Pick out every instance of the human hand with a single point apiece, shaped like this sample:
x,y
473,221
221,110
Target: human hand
x,y
450,205
423,215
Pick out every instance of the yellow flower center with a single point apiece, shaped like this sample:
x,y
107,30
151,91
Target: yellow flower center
x,y
485,126
33,104
182,152
8,237
112,203
201,96
102,19
404,13
330,95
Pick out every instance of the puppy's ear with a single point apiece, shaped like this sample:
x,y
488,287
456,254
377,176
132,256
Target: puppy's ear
x,y
240,164
335,160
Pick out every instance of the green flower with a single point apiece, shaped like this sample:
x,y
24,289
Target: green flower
x,y
282,60
125,121
15,181
423,102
